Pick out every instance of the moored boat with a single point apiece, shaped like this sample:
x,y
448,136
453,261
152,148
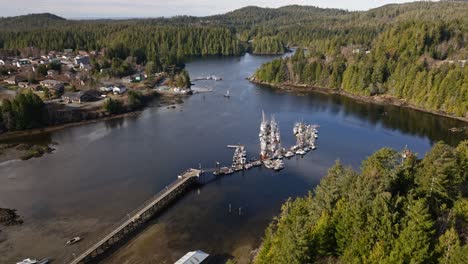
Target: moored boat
x,y
73,240
300,152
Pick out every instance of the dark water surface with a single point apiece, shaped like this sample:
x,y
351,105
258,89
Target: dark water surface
x,y
101,171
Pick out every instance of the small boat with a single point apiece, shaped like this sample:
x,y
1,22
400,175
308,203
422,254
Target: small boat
x,y
237,167
257,163
278,167
44,261
306,149
313,147
301,152
289,154
73,240
268,163
227,95
248,166
27,261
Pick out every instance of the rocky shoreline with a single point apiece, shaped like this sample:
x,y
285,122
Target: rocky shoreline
x,y
376,99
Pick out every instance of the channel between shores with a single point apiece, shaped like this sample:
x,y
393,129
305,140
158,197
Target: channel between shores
x,y
376,99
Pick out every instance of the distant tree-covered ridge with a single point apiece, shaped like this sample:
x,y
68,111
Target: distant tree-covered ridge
x,y
167,39
394,210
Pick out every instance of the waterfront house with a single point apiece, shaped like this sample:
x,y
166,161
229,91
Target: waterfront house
x,y
81,96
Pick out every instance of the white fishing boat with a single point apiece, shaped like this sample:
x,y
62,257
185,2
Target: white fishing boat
x,y
248,166
300,152
257,163
268,164
289,154
227,94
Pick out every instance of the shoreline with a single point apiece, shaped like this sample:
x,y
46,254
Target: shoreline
x,y
48,129
380,100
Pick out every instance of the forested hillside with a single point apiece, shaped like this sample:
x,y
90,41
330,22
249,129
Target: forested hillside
x,y
418,59
394,211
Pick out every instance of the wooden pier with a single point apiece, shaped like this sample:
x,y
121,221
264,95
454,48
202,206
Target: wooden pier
x,y
139,217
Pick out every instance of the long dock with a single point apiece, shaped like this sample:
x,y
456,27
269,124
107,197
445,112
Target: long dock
x,y
139,216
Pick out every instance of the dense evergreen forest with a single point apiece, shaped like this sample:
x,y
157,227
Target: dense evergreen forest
x,y
418,59
395,210
25,111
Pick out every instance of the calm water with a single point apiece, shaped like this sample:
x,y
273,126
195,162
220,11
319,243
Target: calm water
x,y
100,172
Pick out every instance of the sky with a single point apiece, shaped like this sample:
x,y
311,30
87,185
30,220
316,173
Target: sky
x,y
166,8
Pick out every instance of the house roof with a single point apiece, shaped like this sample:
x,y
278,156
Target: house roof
x,y
193,257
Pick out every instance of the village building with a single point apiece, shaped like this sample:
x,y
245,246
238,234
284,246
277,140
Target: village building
x,y
23,84
15,79
56,86
82,60
22,63
52,73
134,78
120,89
79,97
106,89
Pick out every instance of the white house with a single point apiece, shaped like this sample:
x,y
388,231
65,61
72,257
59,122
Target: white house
x,y
106,89
119,89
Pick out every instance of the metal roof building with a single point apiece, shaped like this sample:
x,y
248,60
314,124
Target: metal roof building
x,y
193,257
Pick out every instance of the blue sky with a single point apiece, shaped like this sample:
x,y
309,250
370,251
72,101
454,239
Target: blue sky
x,y
158,8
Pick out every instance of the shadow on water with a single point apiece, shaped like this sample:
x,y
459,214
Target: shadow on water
x,y
402,119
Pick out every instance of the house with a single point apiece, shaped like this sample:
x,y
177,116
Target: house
x,y
193,257
119,89
52,73
81,60
79,97
106,89
15,79
54,85
83,53
23,84
69,74
133,78
22,63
